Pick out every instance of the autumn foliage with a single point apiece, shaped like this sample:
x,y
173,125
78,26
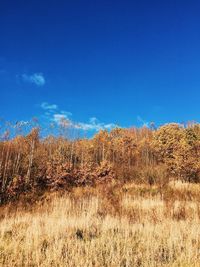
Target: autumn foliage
x,y
142,155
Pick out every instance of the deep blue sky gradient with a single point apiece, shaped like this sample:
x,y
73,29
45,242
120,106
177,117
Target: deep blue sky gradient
x,y
122,62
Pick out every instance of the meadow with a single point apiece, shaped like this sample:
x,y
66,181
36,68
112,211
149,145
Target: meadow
x,y
128,197
133,226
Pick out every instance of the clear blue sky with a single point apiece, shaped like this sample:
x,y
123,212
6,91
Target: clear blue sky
x,y
122,62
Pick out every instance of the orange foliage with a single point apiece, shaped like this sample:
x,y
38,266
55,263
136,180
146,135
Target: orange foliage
x,y
29,162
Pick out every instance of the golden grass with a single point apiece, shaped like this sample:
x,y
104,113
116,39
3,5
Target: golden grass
x,y
83,231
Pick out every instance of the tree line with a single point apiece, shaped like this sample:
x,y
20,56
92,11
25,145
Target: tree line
x,y
141,155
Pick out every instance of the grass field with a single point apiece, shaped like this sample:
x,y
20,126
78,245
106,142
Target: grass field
x,y
137,226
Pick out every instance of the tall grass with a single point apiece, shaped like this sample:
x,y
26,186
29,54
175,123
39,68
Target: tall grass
x,y
88,228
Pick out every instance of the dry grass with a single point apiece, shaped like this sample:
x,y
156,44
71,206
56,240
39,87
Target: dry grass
x,y
83,230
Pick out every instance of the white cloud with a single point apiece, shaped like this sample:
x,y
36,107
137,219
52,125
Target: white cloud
x,y
21,124
67,113
47,106
95,125
92,125
58,118
62,117
52,113
35,78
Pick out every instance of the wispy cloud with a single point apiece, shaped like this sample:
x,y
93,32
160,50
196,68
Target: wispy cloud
x,y
142,121
92,125
21,124
35,78
95,125
46,106
61,117
52,113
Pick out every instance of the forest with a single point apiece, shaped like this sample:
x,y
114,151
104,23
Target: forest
x,y
31,163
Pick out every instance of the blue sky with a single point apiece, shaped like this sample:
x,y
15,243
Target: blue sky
x,y
100,63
